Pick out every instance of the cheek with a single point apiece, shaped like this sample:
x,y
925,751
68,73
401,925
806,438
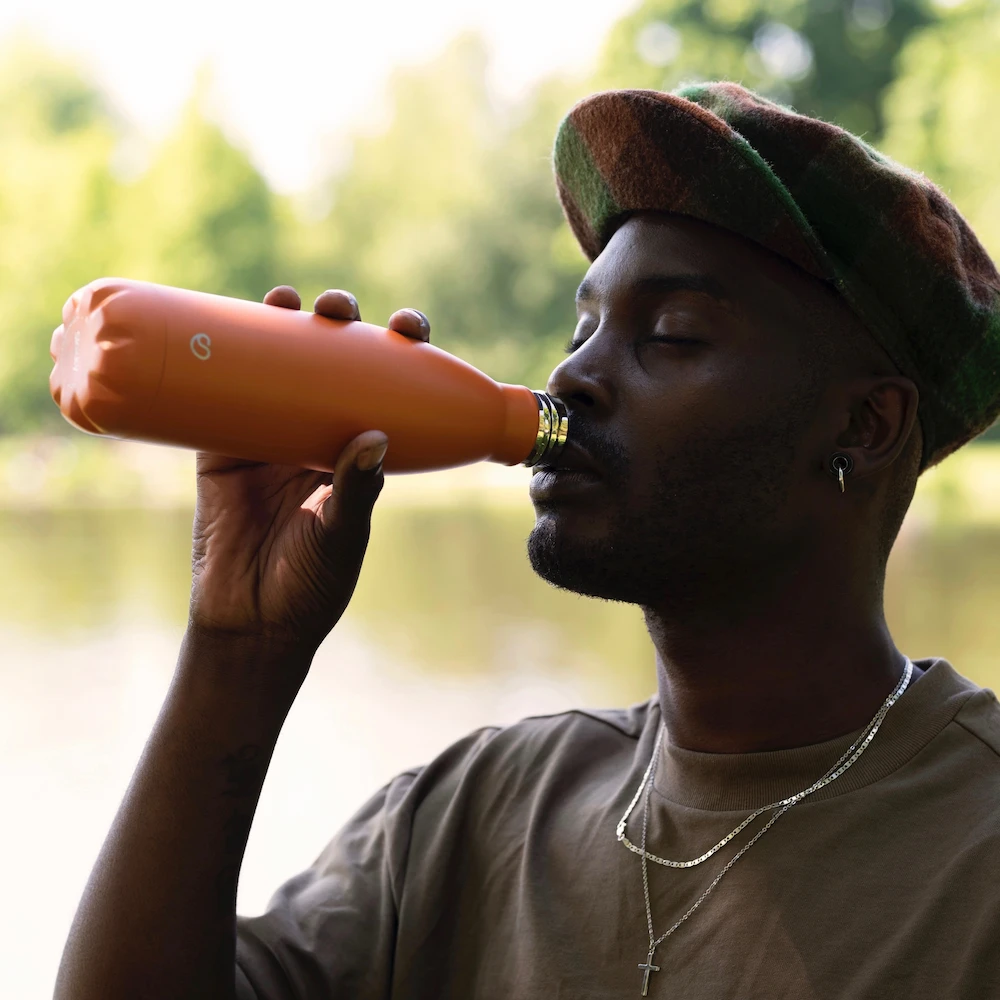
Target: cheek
x,y
651,450
693,453
707,427
676,404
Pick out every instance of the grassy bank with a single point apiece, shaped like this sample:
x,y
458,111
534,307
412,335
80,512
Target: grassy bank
x,y
78,471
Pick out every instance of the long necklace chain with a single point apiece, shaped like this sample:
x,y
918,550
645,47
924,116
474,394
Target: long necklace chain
x,y
782,806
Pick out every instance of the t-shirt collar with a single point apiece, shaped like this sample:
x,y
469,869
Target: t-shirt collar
x,y
721,781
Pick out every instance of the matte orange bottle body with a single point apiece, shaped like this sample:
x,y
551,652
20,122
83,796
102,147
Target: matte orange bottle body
x,y
167,365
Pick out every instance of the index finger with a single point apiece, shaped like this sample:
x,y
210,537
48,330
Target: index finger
x,y
411,323
335,303
284,296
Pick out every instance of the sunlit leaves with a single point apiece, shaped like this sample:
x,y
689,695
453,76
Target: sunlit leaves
x,y
451,208
56,199
447,203
200,217
831,58
943,112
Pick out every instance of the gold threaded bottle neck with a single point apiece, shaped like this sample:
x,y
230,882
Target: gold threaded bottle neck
x,y
553,429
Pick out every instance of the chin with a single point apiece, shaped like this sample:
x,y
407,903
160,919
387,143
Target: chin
x,y
586,564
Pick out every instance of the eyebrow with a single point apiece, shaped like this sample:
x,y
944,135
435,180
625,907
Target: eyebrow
x,y
663,284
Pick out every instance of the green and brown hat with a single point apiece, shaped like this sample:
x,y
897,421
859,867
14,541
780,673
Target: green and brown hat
x,y
889,240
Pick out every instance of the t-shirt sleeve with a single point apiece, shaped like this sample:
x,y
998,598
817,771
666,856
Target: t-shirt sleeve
x,y
330,931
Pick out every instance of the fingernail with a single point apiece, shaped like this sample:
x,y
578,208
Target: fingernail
x,y
371,458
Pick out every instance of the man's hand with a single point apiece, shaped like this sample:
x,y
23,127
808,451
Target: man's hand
x,y
278,549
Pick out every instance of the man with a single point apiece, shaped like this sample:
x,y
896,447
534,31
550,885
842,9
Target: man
x,y
779,330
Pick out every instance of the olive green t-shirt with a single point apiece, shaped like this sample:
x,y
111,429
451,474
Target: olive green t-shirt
x,y
494,871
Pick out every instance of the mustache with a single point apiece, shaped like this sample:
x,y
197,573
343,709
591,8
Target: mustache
x,y
607,452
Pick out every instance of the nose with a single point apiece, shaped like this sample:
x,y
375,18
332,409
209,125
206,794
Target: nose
x,y
580,382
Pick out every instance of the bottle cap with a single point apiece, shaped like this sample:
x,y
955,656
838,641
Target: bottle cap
x,y
553,429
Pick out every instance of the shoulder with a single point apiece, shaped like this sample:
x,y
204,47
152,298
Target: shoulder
x,y
959,719
507,768
575,735
972,733
980,718
963,768
575,730
977,728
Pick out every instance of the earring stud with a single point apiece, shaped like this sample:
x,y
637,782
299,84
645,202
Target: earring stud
x,y
841,465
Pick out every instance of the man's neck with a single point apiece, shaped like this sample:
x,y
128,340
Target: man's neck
x,y
807,665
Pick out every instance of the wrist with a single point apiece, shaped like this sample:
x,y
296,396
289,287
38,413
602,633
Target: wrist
x,y
269,665
254,645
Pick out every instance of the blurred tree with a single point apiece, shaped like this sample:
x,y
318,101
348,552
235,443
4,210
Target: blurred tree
x,y
829,58
942,114
394,206
449,204
505,301
56,199
451,209
201,216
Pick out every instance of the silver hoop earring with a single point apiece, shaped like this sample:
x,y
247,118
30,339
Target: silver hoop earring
x,y
840,466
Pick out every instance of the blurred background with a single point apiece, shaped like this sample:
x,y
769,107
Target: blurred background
x,y
400,151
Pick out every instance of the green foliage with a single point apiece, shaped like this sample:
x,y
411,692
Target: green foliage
x,y
520,258
201,217
56,193
828,58
451,209
448,204
943,112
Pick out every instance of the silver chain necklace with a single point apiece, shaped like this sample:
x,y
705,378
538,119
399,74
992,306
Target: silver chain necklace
x,y
782,806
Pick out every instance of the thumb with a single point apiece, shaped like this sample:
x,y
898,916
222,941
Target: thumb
x,y
357,482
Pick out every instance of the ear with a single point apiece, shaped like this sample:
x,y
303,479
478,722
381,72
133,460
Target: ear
x,y
878,423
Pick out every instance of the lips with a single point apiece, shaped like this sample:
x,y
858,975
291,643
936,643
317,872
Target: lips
x,y
572,459
571,474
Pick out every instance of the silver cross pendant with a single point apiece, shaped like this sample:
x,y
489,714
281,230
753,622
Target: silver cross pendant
x,y
649,967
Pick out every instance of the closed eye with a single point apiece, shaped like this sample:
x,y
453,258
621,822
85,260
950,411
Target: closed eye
x,y
681,341
574,344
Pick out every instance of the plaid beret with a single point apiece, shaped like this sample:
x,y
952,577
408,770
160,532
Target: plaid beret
x,y
885,237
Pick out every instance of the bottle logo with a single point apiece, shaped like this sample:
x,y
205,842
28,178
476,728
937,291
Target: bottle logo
x,y
201,346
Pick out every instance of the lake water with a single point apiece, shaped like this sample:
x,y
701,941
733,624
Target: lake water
x,y
449,630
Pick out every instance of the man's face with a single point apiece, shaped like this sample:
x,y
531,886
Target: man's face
x,y
687,391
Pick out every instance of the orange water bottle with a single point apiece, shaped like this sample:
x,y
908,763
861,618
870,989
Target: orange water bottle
x,y
253,381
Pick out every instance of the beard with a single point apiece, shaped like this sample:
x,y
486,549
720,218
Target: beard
x,y
705,522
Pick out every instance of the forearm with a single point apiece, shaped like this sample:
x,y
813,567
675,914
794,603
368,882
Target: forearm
x,y
157,918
